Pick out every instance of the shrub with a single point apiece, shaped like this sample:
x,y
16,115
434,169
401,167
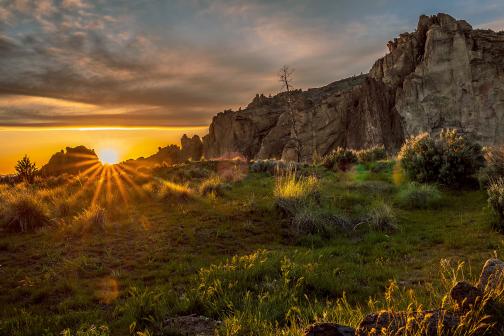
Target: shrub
x,y
496,200
91,219
212,185
371,154
23,211
292,193
494,165
340,158
449,159
26,169
419,196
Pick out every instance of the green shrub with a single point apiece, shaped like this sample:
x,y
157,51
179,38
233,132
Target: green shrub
x,y
23,210
340,158
371,154
449,159
419,196
494,165
496,200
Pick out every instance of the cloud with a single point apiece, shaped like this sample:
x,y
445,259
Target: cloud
x,y
497,25
178,62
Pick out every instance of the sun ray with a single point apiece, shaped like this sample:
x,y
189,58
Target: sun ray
x,y
99,186
79,164
130,181
108,185
92,172
120,185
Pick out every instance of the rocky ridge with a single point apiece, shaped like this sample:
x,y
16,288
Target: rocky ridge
x,y
443,75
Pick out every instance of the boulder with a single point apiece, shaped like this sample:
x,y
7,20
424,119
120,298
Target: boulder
x,y
492,275
329,329
465,295
397,323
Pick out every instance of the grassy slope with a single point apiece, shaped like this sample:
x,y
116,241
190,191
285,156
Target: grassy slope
x,y
51,280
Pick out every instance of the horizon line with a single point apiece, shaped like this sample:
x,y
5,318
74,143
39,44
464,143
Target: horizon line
x,y
99,128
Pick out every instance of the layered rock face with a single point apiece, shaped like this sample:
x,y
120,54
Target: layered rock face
x,y
447,75
444,75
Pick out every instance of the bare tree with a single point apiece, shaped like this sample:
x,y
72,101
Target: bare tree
x,y
285,75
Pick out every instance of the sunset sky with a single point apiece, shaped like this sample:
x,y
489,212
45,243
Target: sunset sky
x,y
96,63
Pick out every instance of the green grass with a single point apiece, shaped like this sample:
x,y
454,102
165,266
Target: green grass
x,y
233,258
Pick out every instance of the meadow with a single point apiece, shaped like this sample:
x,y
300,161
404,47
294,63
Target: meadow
x,y
265,248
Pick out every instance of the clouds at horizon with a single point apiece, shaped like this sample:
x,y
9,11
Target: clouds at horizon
x,y
177,63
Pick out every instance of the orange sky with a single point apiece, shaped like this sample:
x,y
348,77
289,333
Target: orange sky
x,y
40,143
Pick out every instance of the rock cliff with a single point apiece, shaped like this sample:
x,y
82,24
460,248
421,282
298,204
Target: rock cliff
x,y
443,75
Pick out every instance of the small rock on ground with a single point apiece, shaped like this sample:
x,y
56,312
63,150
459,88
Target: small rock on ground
x,y
329,329
191,325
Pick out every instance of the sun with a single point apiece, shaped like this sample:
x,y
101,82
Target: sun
x,y
108,156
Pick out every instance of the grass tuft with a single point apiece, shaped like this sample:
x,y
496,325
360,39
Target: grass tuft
x,y
212,186
380,217
23,211
92,219
293,193
419,196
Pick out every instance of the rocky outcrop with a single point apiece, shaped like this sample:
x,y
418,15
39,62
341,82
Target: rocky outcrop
x,y
443,75
192,148
72,161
